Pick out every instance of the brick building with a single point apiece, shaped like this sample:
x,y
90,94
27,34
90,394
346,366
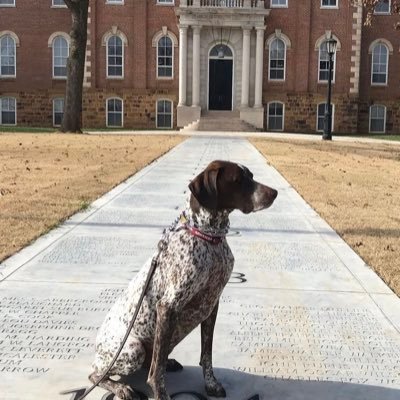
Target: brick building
x,y
162,63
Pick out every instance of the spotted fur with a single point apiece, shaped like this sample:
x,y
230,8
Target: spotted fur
x,y
183,293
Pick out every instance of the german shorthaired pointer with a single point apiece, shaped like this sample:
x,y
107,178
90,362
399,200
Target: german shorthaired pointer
x,y
192,270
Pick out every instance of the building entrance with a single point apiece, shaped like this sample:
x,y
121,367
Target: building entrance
x,y
220,78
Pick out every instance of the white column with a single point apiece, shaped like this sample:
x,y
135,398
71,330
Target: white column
x,y
196,67
182,64
245,67
259,67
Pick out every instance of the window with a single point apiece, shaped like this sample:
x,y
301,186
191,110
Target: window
x,y
377,119
59,3
115,57
321,116
164,114
58,111
166,2
383,7
7,56
115,2
279,3
60,57
164,57
115,113
275,116
323,64
329,3
277,57
7,3
380,55
8,111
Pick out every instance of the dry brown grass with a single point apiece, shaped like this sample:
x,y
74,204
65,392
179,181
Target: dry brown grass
x,y
355,187
44,178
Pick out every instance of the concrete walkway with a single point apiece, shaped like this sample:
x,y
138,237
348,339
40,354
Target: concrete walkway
x,y
302,318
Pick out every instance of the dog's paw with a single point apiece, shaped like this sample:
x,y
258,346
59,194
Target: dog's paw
x,y
173,366
215,390
126,393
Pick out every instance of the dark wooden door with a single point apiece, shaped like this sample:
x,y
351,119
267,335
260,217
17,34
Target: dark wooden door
x,y
220,85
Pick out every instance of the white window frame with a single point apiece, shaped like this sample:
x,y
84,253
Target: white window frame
x,y
15,57
58,5
123,59
384,12
319,65
54,113
122,112
332,117
115,2
272,5
384,118
284,61
1,110
283,115
387,65
8,5
172,113
62,77
165,2
335,7
172,56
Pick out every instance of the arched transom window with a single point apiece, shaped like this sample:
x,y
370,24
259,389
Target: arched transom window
x,y
380,58
277,60
7,56
60,56
165,57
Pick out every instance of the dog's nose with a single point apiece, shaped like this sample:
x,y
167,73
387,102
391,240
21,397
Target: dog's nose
x,y
274,193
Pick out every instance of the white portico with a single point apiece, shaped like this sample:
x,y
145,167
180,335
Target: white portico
x,y
221,46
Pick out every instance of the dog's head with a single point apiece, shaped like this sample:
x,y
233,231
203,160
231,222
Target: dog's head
x,y
225,185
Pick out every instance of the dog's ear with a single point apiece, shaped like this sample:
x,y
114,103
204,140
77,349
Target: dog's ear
x,y
204,188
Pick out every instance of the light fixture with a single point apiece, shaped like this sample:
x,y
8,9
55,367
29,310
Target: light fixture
x,y
331,46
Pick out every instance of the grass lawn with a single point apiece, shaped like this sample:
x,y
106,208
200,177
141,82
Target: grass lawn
x,y
45,178
355,187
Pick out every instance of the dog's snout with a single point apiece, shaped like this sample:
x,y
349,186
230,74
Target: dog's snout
x,y
274,194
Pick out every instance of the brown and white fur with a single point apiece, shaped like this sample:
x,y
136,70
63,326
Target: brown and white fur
x,y
185,289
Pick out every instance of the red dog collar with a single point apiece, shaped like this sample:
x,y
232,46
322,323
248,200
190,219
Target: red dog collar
x,y
204,236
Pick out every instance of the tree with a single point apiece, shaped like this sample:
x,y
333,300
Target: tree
x,y
72,120
369,6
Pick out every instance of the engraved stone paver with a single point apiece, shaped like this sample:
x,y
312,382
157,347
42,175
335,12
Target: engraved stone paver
x,y
302,317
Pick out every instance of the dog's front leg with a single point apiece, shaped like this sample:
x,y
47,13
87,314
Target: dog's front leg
x,y
213,387
166,320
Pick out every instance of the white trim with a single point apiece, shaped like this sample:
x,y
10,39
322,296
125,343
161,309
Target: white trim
x,y
122,112
319,67
57,5
114,31
166,78
384,12
283,115
8,5
12,36
279,5
65,37
59,33
384,118
123,59
172,113
328,35
213,44
54,99
169,3
269,62
335,7
387,66
1,111
115,2
278,35
386,42
332,117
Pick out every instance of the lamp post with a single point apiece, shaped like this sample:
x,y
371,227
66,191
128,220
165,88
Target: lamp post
x,y
331,48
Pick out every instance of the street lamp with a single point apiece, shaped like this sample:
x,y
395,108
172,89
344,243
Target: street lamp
x,y
331,48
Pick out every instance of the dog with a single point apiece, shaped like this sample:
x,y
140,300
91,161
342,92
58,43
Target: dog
x,y
192,269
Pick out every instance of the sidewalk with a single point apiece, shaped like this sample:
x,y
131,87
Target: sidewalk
x,y
303,317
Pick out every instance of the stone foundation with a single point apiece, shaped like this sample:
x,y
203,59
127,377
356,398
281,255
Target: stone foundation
x,y
301,111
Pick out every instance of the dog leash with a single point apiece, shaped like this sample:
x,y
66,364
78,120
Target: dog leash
x,y
183,221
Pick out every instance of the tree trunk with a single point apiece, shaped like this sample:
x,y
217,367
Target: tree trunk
x,y
72,120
